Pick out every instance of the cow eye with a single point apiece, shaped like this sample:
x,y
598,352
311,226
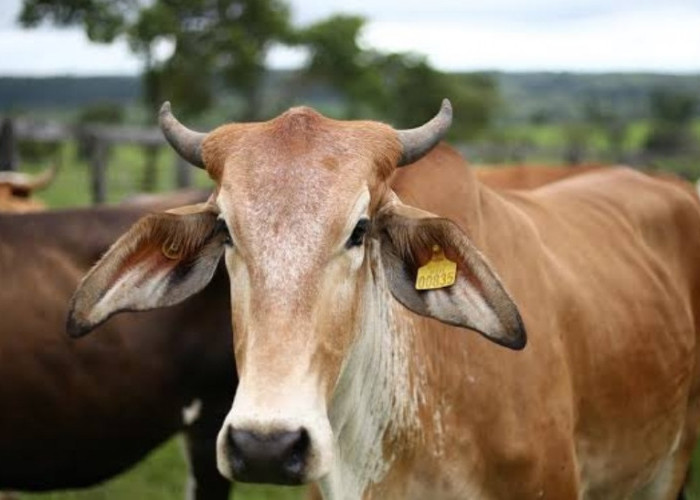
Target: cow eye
x,y
222,228
358,234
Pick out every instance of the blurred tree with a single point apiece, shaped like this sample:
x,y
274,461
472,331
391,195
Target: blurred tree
x,y
577,136
400,87
103,20
412,89
39,151
336,59
674,107
672,114
223,43
216,42
540,117
603,115
102,112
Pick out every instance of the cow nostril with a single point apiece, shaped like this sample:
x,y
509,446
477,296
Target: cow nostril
x,y
237,461
230,437
297,454
278,457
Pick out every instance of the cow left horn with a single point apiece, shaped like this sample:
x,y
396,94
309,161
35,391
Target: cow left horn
x,y
416,142
186,142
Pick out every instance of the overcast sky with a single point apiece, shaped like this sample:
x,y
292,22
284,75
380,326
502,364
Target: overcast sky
x,y
511,35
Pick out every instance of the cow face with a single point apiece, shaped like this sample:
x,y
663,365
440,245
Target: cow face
x,y
312,237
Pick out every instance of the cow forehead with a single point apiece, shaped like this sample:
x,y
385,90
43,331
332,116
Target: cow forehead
x,y
294,200
297,140
296,176
289,186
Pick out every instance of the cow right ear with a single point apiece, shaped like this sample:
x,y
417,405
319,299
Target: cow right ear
x,y
163,259
469,295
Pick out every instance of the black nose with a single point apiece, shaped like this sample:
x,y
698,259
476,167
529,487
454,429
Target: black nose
x,y
277,458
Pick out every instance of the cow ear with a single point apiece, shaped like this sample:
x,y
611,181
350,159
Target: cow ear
x,y
163,259
409,239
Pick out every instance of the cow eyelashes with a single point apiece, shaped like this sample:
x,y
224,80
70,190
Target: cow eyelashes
x,y
222,228
358,234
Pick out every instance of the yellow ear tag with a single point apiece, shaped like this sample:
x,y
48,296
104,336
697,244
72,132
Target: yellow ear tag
x,y
439,272
171,250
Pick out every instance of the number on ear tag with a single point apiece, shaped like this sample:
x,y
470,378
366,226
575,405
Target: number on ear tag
x,y
439,272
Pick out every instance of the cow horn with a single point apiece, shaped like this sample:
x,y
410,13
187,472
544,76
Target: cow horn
x,y
186,142
416,142
28,182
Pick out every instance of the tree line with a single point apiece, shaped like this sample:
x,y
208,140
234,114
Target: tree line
x,y
220,47
218,66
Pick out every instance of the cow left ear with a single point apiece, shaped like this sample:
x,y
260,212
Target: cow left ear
x,y
410,239
163,259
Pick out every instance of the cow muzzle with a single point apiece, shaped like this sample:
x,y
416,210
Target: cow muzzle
x,y
275,458
276,440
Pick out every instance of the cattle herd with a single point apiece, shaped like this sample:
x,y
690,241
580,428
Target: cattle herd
x,y
279,323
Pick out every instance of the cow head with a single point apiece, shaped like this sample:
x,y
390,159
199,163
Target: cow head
x,y
16,189
312,236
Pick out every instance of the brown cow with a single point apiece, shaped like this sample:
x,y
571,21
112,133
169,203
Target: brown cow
x,y
74,413
528,176
352,299
525,177
16,189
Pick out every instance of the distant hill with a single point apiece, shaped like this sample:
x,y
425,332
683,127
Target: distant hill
x,y
543,97
26,94
560,97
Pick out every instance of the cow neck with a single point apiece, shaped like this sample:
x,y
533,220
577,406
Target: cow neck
x,y
447,189
373,405
505,232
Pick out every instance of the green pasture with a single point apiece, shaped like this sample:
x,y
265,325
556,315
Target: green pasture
x,y
125,172
125,169
162,475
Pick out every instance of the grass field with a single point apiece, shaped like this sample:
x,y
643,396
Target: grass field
x,y
162,475
124,176
125,168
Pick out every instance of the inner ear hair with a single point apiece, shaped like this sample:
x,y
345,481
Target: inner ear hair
x,y
412,240
183,234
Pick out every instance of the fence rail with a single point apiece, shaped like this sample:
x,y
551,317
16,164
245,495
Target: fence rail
x,y
100,137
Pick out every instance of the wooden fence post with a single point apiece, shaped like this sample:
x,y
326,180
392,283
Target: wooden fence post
x,y
98,167
183,173
8,154
150,168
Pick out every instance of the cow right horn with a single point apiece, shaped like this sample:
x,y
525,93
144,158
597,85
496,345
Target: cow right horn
x,y
417,142
186,142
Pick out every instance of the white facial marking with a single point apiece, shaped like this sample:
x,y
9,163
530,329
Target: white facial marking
x,y
289,408
350,438
294,231
373,400
191,412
